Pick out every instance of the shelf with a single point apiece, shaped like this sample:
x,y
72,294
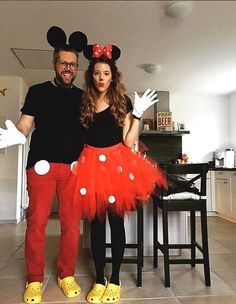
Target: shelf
x,y
163,133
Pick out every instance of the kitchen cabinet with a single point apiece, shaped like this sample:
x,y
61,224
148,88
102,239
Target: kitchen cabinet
x,y
163,146
210,188
225,193
210,193
222,188
233,193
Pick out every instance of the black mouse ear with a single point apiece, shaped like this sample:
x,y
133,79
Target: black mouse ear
x,y
78,41
56,37
88,52
116,52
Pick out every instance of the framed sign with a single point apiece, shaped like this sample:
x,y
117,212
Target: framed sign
x,y
148,124
181,126
164,120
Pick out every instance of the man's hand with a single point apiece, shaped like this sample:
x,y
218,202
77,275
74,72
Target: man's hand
x,y
141,104
11,135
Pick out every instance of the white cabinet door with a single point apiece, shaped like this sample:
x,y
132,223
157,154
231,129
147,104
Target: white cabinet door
x,y
223,204
213,191
233,193
208,195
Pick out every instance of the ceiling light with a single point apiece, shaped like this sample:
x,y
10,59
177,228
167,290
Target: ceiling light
x,y
179,10
152,68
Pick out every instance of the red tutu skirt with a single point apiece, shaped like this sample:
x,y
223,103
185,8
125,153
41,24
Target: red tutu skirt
x,y
113,179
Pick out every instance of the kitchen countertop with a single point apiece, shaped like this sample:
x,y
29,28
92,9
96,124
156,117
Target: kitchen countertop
x,y
222,169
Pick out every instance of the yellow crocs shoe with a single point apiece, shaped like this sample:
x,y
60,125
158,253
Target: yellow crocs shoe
x,y
70,288
33,292
96,293
111,294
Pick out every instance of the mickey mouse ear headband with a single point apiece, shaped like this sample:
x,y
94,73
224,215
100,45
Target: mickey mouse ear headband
x,y
95,51
56,37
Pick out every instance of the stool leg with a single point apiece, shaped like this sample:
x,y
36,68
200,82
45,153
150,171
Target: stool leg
x,y
155,233
166,244
193,237
139,245
205,245
106,246
141,234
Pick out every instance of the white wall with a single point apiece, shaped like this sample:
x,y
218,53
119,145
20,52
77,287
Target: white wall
x,y
207,119
232,120
9,109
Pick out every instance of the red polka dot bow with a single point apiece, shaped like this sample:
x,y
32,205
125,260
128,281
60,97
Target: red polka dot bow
x,y
99,51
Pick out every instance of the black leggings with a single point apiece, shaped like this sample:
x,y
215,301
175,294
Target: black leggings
x,y
98,234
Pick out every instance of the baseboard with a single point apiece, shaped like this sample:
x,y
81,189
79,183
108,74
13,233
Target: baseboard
x,y
13,221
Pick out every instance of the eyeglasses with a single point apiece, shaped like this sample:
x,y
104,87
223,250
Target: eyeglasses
x,y
72,65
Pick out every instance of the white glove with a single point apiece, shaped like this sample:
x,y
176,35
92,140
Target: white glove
x,y
141,104
11,135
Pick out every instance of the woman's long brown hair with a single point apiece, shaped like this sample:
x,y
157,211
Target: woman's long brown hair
x,y
115,94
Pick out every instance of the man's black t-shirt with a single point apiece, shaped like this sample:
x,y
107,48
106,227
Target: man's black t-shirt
x,y
104,131
58,136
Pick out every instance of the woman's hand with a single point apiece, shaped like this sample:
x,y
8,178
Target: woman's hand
x,y
141,104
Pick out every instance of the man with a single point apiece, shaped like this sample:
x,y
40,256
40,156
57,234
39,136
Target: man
x,y
57,140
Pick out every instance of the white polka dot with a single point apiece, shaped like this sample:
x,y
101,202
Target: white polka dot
x,y
42,167
83,191
111,199
131,176
73,166
119,169
102,157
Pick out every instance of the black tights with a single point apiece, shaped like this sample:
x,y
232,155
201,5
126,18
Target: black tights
x,y
98,234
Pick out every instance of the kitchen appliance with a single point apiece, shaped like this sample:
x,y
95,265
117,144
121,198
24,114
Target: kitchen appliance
x,y
220,158
224,158
229,158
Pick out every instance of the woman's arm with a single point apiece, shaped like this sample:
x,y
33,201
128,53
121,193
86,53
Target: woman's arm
x,y
131,124
130,130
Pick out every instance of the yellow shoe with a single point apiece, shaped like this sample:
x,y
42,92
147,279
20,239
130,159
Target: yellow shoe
x,y
70,288
112,293
33,292
96,293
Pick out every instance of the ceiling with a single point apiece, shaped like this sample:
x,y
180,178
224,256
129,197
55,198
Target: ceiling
x,y
197,54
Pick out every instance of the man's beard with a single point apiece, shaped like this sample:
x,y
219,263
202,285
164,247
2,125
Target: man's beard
x,y
61,81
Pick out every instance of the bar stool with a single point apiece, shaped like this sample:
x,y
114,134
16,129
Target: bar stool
x,y
138,246
199,172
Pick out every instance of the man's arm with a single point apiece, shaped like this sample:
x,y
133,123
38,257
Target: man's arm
x,y
25,124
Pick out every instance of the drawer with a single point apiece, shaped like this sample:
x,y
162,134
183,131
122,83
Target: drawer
x,y
222,174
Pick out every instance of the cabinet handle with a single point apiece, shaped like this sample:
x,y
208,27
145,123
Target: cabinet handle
x,y
225,182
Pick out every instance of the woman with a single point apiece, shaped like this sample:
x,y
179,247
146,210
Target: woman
x,y
109,177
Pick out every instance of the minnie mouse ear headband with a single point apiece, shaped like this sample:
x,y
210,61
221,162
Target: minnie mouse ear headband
x,y
95,51
56,37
